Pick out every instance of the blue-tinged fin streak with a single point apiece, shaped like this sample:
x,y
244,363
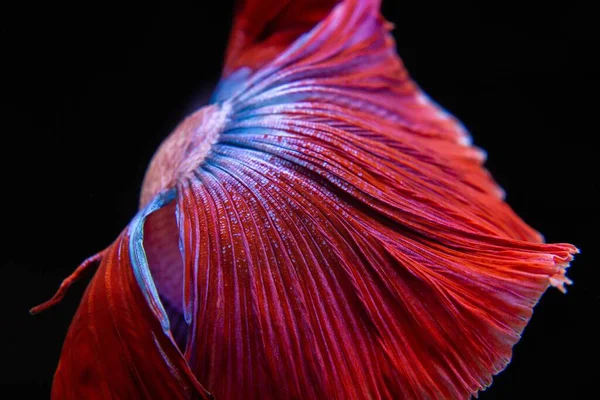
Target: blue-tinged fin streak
x,y
137,254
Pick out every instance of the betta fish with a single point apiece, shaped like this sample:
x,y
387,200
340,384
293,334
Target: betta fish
x,y
321,230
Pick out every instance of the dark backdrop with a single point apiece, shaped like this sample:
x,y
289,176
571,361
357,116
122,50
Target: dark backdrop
x,y
90,92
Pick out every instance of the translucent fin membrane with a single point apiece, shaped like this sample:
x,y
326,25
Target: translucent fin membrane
x,y
161,245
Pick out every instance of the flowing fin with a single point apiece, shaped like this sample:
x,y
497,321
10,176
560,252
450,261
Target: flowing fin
x,y
343,238
262,29
87,265
119,344
339,239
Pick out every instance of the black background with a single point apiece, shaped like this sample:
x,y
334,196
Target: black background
x,y
89,93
